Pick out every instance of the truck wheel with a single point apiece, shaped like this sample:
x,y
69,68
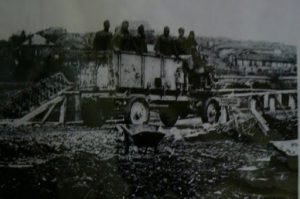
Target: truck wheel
x,y
211,112
168,116
137,112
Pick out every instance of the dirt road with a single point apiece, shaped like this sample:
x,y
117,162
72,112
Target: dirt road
x,y
81,162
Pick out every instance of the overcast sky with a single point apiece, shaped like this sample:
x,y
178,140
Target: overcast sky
x,y
272,20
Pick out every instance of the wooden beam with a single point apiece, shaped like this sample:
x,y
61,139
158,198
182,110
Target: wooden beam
x,y
266,101
259,118
292,102
223,117
48,113
63,110
77,107
37,111
272,105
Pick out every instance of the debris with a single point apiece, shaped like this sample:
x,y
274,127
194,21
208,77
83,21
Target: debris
x,y
288,147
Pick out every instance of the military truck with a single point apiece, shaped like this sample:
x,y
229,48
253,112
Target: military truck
x,y
130,85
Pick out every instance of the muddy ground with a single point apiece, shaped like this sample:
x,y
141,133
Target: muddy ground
x,y
82,162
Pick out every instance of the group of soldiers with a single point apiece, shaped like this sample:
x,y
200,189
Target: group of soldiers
x,y
165,45
122,40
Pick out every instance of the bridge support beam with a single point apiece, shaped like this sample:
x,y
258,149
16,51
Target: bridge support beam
x,y
292,102
63,110
77,107
266,101
252,104
272,105
223,117
279,98
259,118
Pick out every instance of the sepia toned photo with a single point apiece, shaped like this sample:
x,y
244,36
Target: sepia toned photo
x,y
160,99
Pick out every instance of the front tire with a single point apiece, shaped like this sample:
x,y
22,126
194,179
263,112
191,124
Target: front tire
x,y
211,112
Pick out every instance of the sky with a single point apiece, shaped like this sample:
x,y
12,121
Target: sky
x,y
270,20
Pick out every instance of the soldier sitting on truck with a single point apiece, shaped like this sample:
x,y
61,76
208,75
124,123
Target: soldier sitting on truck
x,y
191,42
140,40
123,40
181,42
198,76
165,44
103,38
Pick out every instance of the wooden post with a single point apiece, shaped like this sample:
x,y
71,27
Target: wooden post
x,y
223,117
63,110
259,118
37,111
292,103
272,105
48,113
266,101
253,104
77,107
279,98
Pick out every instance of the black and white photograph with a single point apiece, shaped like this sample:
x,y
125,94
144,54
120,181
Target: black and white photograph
x,y
149,99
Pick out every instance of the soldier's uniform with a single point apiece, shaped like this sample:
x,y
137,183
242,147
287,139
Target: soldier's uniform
x,y
140,40
164,45
123,40
191,43
103,41
181,46
141,44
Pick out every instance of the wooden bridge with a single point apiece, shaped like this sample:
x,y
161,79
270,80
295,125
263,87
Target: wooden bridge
x,y
279,104
36,103
38,99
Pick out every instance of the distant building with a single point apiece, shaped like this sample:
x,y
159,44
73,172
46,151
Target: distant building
x,y
37,40
261,64
36,45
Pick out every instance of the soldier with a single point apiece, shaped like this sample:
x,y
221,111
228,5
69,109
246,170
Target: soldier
x,y
123,39
181,42
103,38
191,43
140,40
165,44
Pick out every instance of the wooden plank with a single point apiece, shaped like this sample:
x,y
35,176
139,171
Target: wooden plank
x,y
266,101
223,116
63,110
259,118
77,107
48,113
272,105
37,111
292,103
276,92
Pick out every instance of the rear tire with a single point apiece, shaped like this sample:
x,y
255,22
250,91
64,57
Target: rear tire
x,y
168,116
137,112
